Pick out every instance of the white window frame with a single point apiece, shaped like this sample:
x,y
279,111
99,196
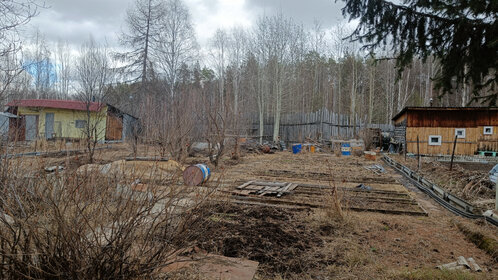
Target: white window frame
x,y
463,133
488,133
438,143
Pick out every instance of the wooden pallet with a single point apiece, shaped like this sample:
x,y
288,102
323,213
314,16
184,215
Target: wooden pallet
x,y
265,188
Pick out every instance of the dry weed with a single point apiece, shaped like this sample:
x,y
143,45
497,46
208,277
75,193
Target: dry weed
x,y
71,226
432,273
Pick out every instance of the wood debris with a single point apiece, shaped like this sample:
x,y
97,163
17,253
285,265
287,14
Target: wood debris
x,y
462,264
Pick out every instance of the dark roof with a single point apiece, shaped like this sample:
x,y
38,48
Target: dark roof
x,y
121,111
443,109
58,104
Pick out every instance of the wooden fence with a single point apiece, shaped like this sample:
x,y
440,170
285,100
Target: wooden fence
x,y
321,125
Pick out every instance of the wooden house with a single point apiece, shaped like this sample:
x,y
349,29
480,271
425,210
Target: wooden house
x,y
475,129
69,119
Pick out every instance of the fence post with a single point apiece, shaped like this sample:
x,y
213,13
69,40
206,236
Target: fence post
x,y
321,125
453,153
418,153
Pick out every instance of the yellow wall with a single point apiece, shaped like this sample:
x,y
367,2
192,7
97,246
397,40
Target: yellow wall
x,y
65,121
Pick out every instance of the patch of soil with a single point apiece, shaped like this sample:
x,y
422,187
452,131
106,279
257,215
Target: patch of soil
x,y
321,176
271,236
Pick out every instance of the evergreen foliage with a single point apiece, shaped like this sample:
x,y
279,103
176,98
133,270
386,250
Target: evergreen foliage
x,y
462,34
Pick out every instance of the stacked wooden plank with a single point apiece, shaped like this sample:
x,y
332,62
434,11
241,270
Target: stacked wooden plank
x,y
265,188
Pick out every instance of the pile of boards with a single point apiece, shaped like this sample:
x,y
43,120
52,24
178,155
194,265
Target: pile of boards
x,y
265,188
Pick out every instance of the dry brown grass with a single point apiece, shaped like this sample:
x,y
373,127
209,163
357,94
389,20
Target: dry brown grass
x,y
483,238
435,274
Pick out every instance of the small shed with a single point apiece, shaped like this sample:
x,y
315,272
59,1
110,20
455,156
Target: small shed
x,y
436,128
69,119
120,125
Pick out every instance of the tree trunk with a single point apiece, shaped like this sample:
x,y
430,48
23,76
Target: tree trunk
x,y
370,94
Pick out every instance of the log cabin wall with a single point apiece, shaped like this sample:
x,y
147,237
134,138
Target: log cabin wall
x,y
478,128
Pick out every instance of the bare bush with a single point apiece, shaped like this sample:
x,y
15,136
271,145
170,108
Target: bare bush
x,y
89,226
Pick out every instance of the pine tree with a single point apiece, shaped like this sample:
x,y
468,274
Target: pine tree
x,y
461,34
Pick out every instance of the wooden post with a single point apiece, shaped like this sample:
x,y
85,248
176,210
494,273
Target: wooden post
x,y
418,154
496,196
453,153
404,147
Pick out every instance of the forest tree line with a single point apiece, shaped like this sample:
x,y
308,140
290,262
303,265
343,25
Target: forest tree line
x,y
278,66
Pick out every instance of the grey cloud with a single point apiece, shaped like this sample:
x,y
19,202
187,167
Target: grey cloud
x,y
79,10
74,21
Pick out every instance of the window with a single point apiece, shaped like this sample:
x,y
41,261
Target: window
x,y
460,132
80,124
488,130
435,140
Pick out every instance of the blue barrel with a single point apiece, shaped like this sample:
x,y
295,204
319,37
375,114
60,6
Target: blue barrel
x,y
296,148
206,173
346,149
195,175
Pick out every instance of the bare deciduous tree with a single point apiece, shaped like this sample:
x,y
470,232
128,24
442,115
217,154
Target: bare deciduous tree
x,y
237,50
176,43
13,14
39,64
63,67
94,74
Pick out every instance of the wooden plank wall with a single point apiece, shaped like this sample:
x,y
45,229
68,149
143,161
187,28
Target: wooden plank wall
x,y
467,146
114,128
320,125
487,142
474,141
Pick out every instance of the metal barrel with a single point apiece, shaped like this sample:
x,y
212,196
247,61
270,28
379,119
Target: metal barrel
x,y
195,175
296,148
346,149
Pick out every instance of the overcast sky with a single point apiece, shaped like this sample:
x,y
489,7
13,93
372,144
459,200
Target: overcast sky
x,y
75,20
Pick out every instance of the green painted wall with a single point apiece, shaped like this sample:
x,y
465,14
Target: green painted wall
x,y
65,121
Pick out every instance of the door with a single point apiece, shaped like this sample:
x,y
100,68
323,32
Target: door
x,y
31,127
49,125
114,129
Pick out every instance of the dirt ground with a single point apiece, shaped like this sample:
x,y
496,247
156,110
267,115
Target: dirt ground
x,y
365,245
315,243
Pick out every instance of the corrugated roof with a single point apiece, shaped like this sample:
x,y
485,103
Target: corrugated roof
x,y
8,115
442,109
58,104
